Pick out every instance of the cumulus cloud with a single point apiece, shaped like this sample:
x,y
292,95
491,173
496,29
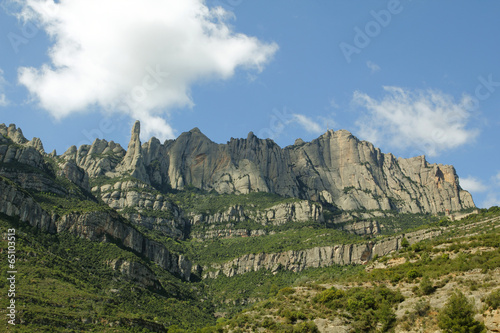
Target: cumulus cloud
x,y
492,199
3,83
135,56
472,184
372,66
428,120
307,123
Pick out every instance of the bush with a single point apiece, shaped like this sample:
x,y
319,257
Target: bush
x,y
457,316
422,308
286,291
307,327
426,287
327,297
413,274
493,299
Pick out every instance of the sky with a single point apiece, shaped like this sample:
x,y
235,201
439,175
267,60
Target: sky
x,y
412,77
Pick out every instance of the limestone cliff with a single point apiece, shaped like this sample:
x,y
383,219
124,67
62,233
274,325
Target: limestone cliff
x,y
336,168
343,254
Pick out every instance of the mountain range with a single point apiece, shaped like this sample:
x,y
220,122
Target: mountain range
x,y
200,211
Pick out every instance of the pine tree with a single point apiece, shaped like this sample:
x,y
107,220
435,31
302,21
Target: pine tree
x,y
457,316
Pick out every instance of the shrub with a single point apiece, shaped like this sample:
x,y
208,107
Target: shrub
x,y
286,291
422,308
426,287
457,316
493,299
328,297
413,274
292,316
307,327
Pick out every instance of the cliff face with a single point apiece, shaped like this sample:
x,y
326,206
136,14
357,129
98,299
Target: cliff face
x,y
96,226
344,254
335,168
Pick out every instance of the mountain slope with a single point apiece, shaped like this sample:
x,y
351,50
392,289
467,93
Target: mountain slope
x,y
200,228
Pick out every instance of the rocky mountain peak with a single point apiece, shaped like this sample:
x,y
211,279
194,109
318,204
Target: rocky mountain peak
x,y
299,142
133,162
14,133
37,144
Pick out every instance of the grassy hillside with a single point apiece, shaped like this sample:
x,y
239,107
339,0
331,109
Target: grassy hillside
x,y
411,290
65,285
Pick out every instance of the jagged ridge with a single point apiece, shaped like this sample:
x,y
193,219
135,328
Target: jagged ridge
x,y
336,169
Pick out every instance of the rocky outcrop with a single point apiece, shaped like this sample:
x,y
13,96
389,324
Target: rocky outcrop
x,y
299,211
99,159
11,151
96,226
362,228
228,231
147,204
492,320
135,271
14,133
172,227
342,254
75,174
133,163
226,223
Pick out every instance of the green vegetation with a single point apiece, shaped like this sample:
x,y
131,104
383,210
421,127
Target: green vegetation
x,y
66,285
299,238
198,201
366,306
63,205
457,316
493,299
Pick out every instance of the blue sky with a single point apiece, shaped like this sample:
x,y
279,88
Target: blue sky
x,y
413,77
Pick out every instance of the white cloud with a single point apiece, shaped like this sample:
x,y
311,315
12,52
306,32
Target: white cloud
x,y
333,103
3,83
372,66
134,56
492,199
3,100
428,120
497,178
307,123
472,184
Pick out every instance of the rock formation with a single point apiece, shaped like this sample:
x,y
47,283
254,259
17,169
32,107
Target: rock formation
x,y
342,254
336,169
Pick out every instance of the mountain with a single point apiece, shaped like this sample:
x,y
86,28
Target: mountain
x,y
184,232
335,169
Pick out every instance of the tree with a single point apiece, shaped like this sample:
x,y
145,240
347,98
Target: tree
x,y
404,243
457,316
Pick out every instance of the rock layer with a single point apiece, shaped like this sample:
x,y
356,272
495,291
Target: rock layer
x,y
342,254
